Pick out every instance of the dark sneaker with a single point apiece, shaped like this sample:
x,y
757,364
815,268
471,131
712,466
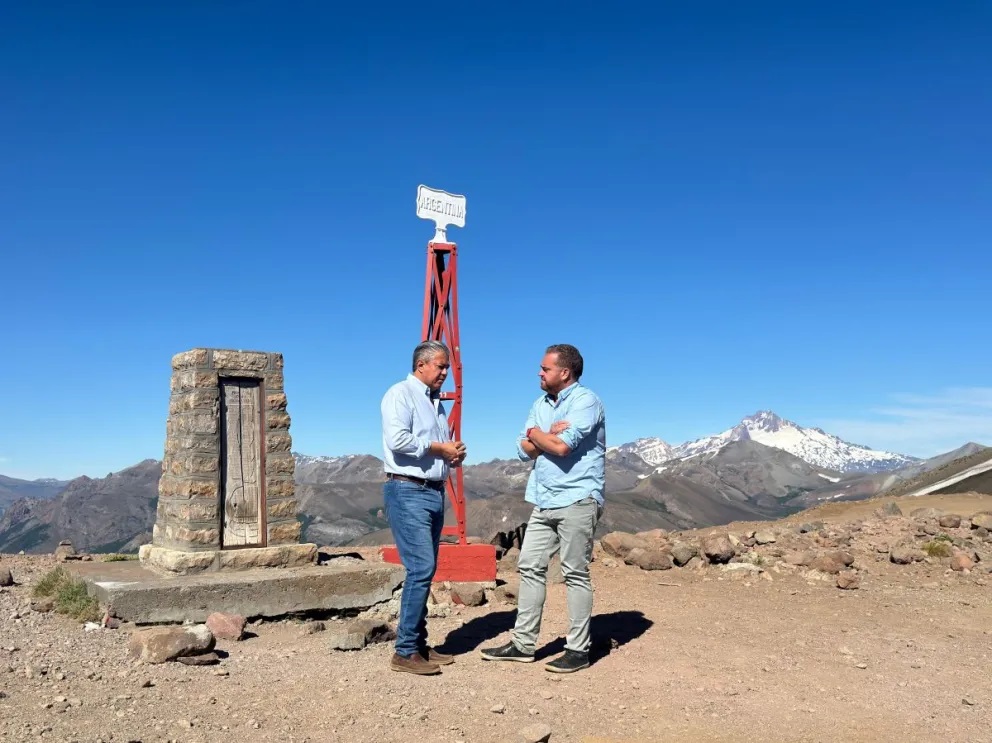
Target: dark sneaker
x,y
442,659
415,663
570,662
507,652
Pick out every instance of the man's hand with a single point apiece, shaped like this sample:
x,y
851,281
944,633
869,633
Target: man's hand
x,y
453,452
559,427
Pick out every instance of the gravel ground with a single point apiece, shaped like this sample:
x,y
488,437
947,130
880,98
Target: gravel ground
x,y
697,653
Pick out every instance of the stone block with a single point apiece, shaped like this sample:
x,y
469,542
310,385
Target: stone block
x,y
186,487
283,508
282,556
174,561
143,596
184,535
240,360
194,359
226,626
161,644
191,380
275,400
278,441
279,487
273,381
195,423
190,510
284,532
193,464
281,463
277,421
206,400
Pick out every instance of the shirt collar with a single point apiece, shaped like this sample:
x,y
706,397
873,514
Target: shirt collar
x,y
422,388
563,394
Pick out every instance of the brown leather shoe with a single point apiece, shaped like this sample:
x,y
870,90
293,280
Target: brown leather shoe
x,y
415,663
442,659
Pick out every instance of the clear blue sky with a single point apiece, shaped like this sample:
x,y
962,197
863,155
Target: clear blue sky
x,y
726,206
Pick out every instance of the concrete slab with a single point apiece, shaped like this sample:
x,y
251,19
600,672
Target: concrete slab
x,y
137,594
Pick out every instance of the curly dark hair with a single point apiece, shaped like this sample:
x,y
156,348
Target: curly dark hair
x,y
568,358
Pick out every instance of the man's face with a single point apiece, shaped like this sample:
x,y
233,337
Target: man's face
x,y
434,371
553,377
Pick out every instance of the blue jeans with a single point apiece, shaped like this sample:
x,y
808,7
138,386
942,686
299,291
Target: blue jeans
x,y
416,515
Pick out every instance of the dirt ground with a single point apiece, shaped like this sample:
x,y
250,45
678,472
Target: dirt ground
x,y
696,653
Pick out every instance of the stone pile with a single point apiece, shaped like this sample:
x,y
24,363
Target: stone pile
x,y
839,553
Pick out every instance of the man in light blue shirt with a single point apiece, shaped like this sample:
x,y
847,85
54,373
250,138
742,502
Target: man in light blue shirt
x,y
565,435
418,450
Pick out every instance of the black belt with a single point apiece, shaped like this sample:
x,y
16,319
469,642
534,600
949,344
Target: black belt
x,y
435,484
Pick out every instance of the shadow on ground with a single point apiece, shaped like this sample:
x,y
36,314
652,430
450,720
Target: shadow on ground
x,y
609,631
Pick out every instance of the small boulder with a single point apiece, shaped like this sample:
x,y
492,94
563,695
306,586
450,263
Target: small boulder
x,y
950,521
848,580
802,559
619,543
508,591
161,644
204,659
926,513
905,554
509,559
358,634
64,551
651,558
982,520
653,535
961,562
717,548
6,579
468,594
227,626
536,733
810,526
892,509
682,553
827,563
764,537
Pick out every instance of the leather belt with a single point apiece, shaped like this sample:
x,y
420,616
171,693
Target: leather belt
x,y
435,484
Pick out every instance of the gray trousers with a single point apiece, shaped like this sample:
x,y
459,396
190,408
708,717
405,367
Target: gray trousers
x,y
550,530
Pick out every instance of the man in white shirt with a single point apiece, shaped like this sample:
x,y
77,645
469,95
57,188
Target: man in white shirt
x,y
418,451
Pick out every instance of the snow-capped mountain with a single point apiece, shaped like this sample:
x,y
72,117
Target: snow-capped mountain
x,y
651,450
812,445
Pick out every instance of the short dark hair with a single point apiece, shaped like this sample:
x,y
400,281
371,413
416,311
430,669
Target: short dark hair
x,y
568,358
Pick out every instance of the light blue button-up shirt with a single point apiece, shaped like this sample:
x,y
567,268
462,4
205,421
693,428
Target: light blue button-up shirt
x,y
556,482
411,419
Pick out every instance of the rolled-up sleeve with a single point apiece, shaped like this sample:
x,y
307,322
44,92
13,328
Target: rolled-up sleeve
x,y
583,418
397,425
531,421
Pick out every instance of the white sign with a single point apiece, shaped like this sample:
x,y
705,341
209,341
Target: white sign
x,y
443,208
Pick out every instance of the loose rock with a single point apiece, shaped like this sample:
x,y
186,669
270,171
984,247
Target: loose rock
x,y
227,626
536,733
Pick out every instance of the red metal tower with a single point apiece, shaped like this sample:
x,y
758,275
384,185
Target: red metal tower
x,y
460,561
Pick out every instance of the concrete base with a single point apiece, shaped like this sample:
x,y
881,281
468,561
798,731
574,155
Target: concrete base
x,y
136,594
176,562
465,563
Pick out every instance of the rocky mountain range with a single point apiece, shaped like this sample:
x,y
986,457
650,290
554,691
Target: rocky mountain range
x,y
736,475
13,489
812,445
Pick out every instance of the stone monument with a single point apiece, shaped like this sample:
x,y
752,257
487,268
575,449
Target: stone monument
x,y
226,495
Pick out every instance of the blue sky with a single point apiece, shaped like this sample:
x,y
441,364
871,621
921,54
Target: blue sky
x,y
726,206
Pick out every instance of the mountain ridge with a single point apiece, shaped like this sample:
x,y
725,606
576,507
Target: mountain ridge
x,y
813,445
